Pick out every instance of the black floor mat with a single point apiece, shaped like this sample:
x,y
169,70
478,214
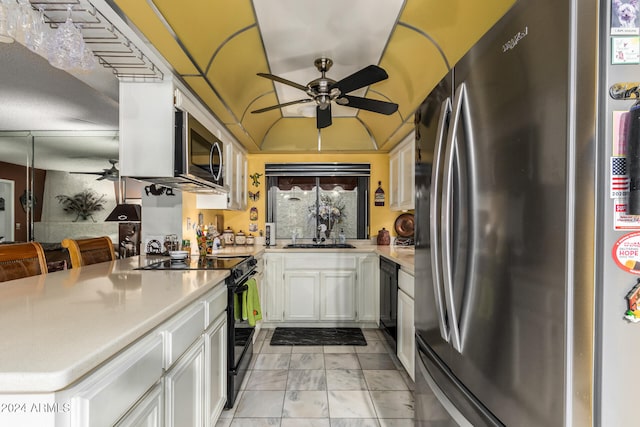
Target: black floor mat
x,y
318,336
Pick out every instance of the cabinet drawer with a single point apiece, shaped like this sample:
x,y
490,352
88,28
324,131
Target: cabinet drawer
x,y
215,303
320,261
406,282
181,331
110,391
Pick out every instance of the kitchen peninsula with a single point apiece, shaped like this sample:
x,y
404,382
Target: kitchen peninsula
x,y
82,346
108,341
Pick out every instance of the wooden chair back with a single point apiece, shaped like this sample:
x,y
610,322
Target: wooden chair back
x,y
18,260
89,251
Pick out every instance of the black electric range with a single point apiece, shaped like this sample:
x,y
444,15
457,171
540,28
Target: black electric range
x,y
240,266
239,332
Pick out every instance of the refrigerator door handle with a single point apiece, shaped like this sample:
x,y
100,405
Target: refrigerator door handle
x,y
435,207
447,216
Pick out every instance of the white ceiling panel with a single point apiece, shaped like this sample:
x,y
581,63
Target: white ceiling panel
x,y
351,33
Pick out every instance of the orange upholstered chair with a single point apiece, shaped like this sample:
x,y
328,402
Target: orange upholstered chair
x,y
18,260
89,251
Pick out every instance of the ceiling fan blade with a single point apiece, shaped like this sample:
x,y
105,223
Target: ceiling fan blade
x,y
273,107
374,105
283,81
323,117
89,173
365,77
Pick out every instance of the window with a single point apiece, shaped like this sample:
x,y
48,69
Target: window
x,y
318,200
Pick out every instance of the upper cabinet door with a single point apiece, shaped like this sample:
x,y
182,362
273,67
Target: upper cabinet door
x,y
401,175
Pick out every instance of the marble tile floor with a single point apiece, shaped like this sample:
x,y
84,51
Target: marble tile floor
x,y
323,386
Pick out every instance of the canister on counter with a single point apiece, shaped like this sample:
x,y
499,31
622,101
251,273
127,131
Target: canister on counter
x,y
228,237
250,240
241,239
383,237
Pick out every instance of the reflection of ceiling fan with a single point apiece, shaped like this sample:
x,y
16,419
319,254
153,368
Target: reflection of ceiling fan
x,y
324,90
110,174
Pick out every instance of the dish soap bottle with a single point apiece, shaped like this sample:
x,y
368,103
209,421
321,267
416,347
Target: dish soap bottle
x,y
342,239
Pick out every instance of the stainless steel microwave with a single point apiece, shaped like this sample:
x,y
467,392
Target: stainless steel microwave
x,y
198,153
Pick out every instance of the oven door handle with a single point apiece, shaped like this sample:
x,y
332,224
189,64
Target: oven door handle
x,y
240,289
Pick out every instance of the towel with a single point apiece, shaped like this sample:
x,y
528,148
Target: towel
x,y
251,310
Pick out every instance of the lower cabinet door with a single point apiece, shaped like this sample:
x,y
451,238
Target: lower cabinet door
x,y
184,389
338,295
301,295
406,337
148,412
215,369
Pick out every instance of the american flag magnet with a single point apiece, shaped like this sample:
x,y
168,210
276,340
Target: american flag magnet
x,y
619,187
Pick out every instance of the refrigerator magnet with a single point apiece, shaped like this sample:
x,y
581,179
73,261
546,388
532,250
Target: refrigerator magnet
x,y
626,252
633,296
624,50
624,17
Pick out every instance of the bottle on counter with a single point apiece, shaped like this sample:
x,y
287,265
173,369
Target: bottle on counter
x,y
341,237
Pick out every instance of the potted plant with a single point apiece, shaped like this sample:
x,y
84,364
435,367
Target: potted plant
x,y
83,204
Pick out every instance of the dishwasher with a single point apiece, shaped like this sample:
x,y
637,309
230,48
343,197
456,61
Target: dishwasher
x,y
389,299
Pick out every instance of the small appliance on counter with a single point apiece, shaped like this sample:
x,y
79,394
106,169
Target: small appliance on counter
x,y
270,234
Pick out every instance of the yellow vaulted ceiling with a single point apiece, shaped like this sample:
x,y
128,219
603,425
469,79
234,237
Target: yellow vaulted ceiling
x,y
216,47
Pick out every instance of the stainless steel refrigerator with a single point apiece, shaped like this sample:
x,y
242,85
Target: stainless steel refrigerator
x,y
519,305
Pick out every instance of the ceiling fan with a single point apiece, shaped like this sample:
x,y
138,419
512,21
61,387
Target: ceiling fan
x,y
110,174
324,90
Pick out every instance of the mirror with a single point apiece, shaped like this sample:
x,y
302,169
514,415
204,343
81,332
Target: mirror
x,y
43,166
54,124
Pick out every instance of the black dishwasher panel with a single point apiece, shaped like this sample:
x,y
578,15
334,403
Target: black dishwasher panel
x,y
389,299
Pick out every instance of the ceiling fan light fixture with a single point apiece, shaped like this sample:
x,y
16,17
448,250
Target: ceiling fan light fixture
x,y
323,102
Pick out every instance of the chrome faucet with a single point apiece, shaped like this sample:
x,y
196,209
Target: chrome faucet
x,y
320,234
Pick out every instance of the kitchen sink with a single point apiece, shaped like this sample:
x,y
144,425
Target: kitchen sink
x,y
319,246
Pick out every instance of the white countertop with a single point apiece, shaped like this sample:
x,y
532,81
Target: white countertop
x,y
402,255
57,327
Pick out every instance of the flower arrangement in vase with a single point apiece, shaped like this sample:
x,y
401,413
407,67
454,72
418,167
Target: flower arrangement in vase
x,y
330,212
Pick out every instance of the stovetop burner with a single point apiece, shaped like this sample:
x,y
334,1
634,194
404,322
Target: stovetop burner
x,y
197,263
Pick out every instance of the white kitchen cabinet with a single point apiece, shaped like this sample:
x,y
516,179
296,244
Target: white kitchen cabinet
x,y
406,330
401,175
146,129
106,395
368,288
325,287
337,295
149,412
184,389
272,303
301,295
215,387
235,172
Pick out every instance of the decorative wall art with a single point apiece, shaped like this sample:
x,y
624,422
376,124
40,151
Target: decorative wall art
x,y
379,195
158,190
254,196
253,214
83,204
255,177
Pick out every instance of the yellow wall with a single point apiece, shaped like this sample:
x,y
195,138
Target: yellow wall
x,y
380,216
189,211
